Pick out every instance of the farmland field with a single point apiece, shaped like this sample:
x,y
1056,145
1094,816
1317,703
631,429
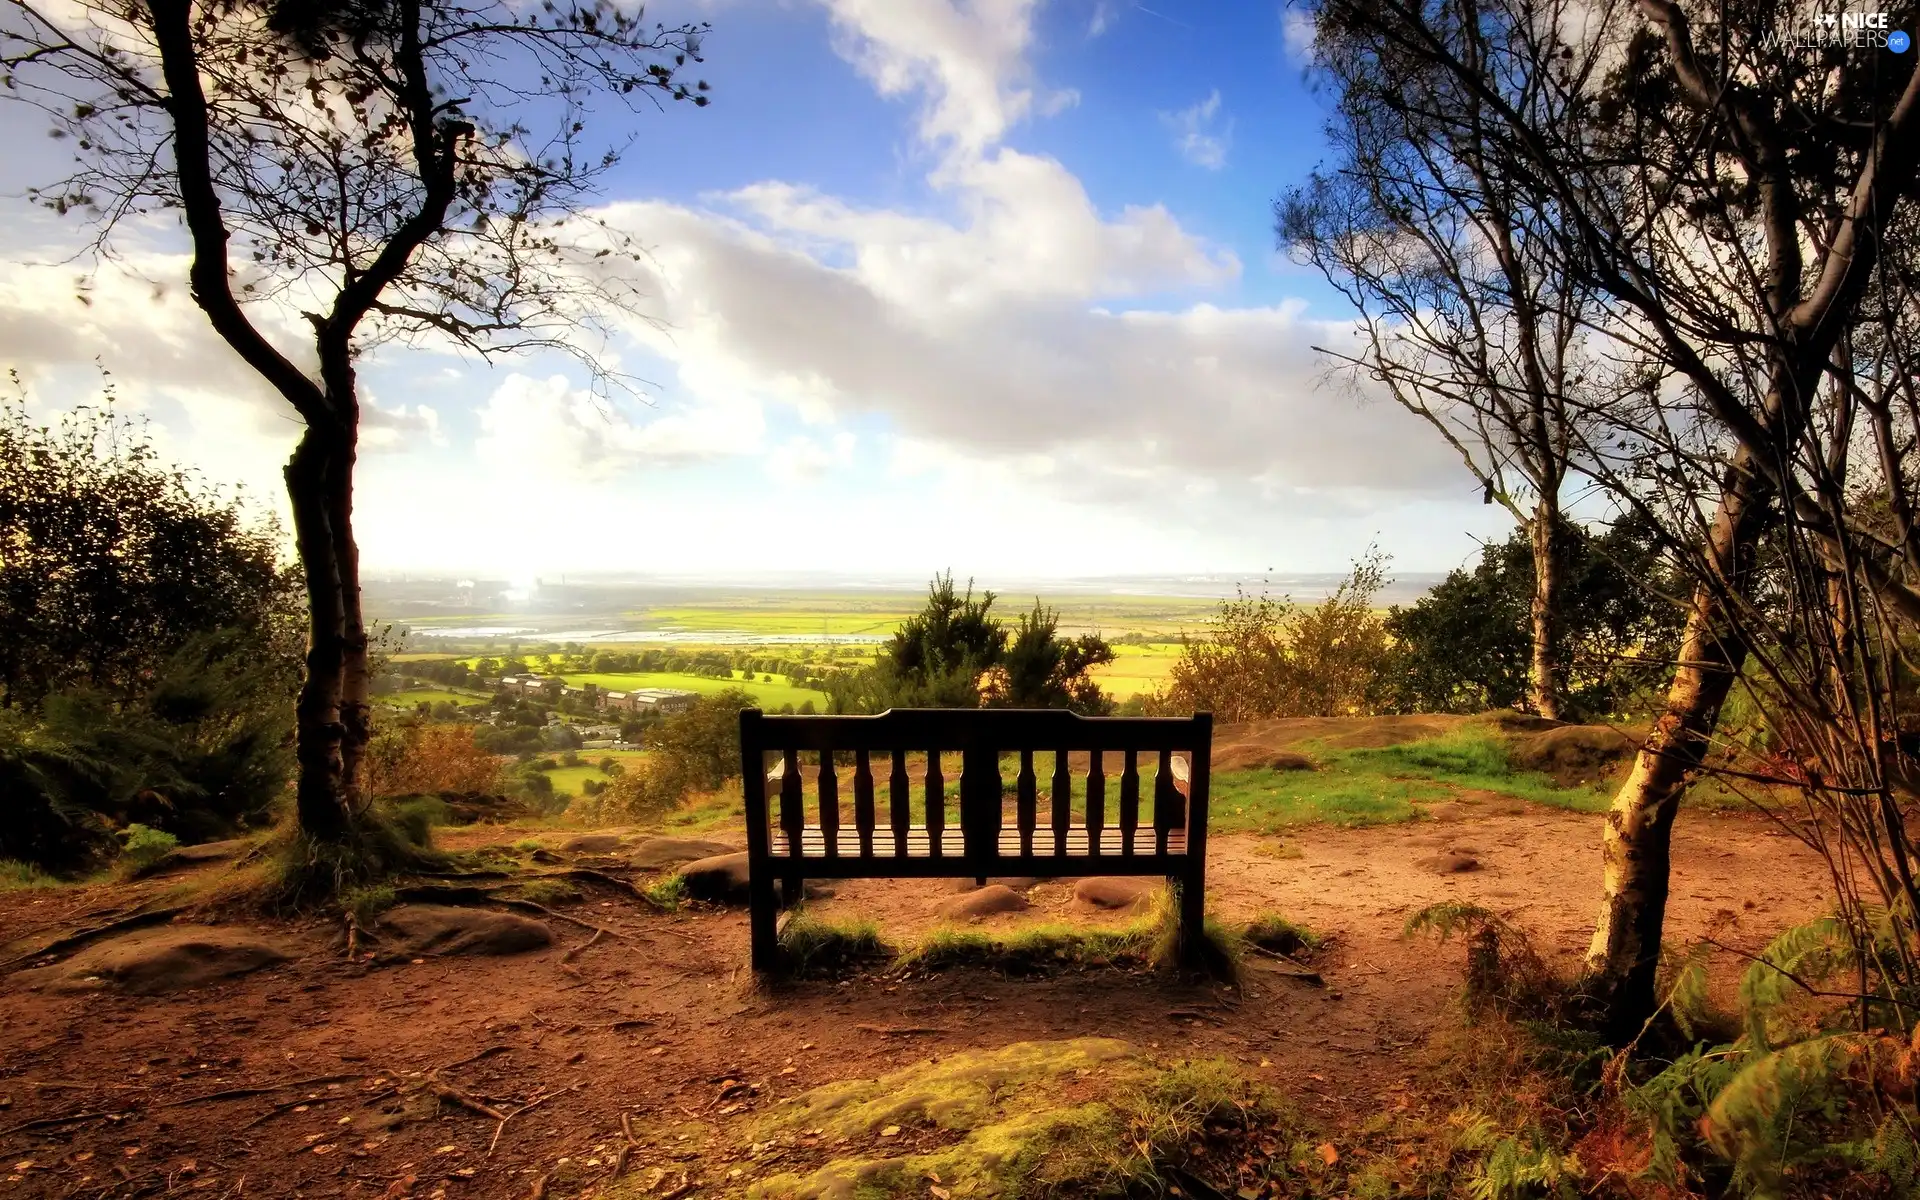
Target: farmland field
x,y
1137,669
572,780
769,695
413,696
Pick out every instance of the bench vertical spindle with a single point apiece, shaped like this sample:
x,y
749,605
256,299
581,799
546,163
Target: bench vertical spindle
x,y
863,800
1096,802
899,803
1129,800
1025,798
1062,801
936,803
1165,798
829,803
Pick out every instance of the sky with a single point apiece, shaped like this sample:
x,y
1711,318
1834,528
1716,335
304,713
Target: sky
x,y
988,286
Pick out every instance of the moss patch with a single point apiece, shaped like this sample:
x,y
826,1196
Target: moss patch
x,y
1083,1116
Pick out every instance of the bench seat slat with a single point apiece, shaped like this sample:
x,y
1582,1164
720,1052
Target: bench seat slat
x,y
919,844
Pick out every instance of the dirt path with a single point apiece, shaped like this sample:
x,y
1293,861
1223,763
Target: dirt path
x,y
563,1033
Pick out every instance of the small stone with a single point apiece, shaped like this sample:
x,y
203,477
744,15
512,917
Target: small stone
x,y
1115,892
890,1131
1449,862
992,900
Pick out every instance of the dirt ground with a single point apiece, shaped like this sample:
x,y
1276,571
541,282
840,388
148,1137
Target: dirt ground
x,y
314,1078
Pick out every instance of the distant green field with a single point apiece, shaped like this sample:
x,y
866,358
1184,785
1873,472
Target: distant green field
x,y
572,780
421,656
802,615
769,695
793,621
413,696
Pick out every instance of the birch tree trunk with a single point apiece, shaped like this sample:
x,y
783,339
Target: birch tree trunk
x,y
1543,671
1636,845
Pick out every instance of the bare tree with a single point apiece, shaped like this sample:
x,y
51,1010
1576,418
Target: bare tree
x,y
388,170
1466,315
1730,201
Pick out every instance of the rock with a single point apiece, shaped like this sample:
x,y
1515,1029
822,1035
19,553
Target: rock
x,y
1449,862
1018,883
1250,757
171,958
592,843
1573,753
440,929
723,879
1115,891
182,858
988,901
718,879
655,853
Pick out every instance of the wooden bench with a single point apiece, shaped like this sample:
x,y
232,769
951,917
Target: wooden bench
x,y
901,828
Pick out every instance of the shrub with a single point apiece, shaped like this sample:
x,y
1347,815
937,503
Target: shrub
x,y
16,876
416,758
142,845
1266,658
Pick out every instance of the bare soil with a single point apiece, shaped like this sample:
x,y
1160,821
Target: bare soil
x,y
317,1077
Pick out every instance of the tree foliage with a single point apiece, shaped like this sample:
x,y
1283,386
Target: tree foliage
x,y
1266,657
111,561
954,653
689,752
1465,645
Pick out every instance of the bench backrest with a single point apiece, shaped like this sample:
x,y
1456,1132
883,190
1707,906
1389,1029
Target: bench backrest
x,y
1049,746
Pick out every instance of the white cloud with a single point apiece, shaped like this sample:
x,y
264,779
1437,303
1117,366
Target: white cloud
x,y
1102,19
1296,33
1194,134
803,458
554,431
399,428
968,60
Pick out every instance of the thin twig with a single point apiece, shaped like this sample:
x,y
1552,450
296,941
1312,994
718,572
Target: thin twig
x,y
262,1090
56,1122
536,1102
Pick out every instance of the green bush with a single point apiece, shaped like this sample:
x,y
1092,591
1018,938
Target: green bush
x,y
142,845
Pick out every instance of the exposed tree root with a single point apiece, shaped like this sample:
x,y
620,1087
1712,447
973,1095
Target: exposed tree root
x,y
478,896
138,919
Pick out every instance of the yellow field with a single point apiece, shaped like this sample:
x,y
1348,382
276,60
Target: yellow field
x,y
1136,669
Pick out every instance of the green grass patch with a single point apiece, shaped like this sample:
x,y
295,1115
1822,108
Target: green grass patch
x,y
1150,942
809,945
550,892
668,891
18,876
1385,785
1272,931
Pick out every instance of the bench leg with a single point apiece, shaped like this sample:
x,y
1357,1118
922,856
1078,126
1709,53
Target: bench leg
x,y
1193,913
763,916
